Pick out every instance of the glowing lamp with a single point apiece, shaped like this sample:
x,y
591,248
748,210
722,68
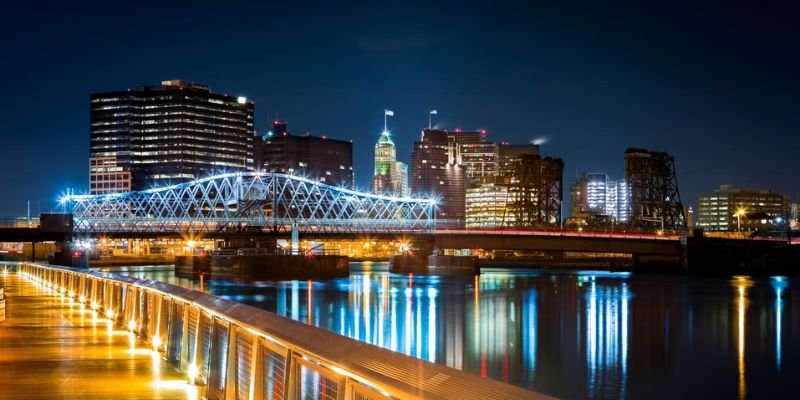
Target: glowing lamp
x,y
192,373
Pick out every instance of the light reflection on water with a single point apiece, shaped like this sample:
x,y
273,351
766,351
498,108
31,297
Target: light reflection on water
x,y
573,335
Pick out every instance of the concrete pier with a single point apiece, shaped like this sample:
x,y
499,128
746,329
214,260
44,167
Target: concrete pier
x,y
264,266
53,348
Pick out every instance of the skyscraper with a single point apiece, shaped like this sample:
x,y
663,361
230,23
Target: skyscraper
x,y
436,172
391,176
322,159
508,153
172,132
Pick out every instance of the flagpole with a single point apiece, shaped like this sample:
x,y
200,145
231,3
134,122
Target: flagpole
x,y
430,118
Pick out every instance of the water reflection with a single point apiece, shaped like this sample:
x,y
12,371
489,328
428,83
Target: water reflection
x,y
572,335
779,283
607,336
741,284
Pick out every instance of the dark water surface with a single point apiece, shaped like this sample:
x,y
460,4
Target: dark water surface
x,y
571,334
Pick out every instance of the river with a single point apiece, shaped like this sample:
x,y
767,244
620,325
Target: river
x,y
567,334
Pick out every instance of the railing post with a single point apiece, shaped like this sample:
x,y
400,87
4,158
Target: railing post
x,y
184,358
343,391
290,380
232,362
256,370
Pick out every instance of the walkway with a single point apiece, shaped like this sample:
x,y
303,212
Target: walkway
x,y
52,348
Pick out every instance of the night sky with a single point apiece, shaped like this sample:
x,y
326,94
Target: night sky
x,y
714,84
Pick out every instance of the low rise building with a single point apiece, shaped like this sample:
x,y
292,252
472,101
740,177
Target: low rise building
x,y
730,209
106,176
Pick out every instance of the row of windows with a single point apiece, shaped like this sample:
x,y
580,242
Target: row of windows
x,y
192,161
110,185
171,148
182,106
108,177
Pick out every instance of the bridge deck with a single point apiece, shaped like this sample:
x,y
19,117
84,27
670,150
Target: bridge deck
x,y
50,347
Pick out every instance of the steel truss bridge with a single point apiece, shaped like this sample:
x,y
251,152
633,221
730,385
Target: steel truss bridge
x,y
251,202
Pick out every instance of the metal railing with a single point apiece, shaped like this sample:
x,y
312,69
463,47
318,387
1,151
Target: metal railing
x,y
235,351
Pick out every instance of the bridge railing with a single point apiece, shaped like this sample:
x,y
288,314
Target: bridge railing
x,y
235,351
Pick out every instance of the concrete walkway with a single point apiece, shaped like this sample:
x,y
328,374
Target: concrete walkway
x,y
52,348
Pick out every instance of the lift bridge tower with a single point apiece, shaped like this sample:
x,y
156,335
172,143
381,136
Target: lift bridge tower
x,y
655,199
535,192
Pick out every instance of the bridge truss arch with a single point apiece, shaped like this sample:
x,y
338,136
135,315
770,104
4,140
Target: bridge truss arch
x,y
252,202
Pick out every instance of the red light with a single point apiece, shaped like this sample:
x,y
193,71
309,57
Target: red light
x,y
276,122
483,131
324,137
284,133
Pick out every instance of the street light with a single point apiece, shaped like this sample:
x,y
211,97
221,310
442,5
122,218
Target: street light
x,y
738,215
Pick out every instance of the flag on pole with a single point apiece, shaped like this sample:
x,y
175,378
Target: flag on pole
x,y
434,112
389,113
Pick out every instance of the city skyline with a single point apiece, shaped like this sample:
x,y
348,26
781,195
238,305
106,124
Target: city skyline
x,y
587,87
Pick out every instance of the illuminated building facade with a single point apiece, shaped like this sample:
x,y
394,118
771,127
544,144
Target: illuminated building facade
x,y
391,176
105,176
486,206
507,154
596,199
435,171
477,156
729,208
618,199
322,159
172,132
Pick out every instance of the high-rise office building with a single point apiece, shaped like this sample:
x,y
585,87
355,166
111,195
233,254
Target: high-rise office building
x,y
507,154
490,203
474,153
391,176
436,172
596,199
732,209
470,174
172,132
322,159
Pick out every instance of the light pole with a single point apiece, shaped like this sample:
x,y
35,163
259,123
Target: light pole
x,y
739,214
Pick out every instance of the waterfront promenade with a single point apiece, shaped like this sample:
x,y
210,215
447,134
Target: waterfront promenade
x,y
52,347
227,350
